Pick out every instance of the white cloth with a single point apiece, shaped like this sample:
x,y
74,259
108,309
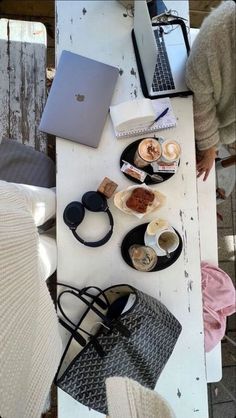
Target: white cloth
x,y
47,255
41,202
128,399
30,345
210,74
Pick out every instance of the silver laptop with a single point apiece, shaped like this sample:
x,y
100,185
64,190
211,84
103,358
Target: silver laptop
x,y
79,99
163,54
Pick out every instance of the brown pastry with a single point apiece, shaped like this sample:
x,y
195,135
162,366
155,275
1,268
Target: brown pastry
x,y
107,187
140,199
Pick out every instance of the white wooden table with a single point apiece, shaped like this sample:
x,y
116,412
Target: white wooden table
x,y
101,30
208,247
22,81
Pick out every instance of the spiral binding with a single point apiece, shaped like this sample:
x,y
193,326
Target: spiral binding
x,y
136,132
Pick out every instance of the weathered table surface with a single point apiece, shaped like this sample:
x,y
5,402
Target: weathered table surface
x,y
101,30
209,247
22,81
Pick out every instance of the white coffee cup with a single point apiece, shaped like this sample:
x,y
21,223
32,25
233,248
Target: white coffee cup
x,y
171,151
162,237
167,241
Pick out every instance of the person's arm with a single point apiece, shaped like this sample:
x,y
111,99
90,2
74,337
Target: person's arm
x,y
199,78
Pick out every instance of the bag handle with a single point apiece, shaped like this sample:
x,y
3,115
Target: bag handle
x,y
81,340
85,291
78,337
79,294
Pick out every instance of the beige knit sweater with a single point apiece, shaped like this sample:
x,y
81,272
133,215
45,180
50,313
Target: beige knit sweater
x,y
128,399
210,74
30,346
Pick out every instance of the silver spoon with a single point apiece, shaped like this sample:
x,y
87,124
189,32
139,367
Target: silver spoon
x,y
155,177
167,254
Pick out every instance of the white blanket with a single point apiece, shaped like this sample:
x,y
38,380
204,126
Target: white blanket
x,y
30,345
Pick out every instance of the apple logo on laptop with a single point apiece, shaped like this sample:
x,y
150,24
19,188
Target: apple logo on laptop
x,y
79,97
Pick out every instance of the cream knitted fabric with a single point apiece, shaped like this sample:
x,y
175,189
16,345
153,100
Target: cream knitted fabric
x,y
30,346
210,74
128,399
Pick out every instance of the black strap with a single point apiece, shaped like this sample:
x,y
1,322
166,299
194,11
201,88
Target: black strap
x,y
110,323
96,299
89,304
82,341
74,333
101,241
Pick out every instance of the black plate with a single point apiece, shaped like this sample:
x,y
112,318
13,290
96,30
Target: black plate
x,y
128,155
136,236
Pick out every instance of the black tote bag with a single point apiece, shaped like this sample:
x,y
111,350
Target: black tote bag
x,y
106,342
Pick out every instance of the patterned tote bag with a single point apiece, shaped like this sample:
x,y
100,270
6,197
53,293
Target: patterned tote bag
x,y
122,332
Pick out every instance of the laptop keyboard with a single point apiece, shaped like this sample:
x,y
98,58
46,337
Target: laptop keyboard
x,y
162,79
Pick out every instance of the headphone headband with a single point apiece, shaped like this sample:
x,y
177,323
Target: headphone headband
x,y
74,214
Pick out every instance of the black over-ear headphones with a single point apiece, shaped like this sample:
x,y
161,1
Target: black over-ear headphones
x,y
74,214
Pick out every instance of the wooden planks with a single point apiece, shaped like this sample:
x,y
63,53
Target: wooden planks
x,y
22,81
38,11
199,9
203,5
27,7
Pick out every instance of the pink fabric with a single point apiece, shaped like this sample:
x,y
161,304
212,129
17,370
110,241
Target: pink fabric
x,y
219,301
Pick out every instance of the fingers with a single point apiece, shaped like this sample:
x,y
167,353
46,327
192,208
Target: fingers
x,y
200,173
203,170
206,174
205,162
202,166
200,170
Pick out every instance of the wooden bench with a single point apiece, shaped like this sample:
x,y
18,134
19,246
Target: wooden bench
x,y
22,81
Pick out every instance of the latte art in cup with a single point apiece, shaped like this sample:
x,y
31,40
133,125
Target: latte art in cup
x,y
149,150
170,151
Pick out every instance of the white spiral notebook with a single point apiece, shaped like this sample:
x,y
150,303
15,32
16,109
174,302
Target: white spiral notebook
x,y
135,118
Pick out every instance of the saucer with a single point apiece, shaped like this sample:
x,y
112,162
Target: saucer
x,y
150,241
136,236
128,155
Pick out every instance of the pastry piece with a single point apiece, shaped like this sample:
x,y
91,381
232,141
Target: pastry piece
x,y
140,199
107,187
143,258
121,198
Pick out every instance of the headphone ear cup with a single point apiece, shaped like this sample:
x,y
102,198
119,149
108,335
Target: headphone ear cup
x,y
73,214
94,201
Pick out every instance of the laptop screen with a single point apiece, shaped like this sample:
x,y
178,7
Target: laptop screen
x,y
145,40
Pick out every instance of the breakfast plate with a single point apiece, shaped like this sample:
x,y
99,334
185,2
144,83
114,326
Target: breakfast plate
x,y
139,200
136,237
128,155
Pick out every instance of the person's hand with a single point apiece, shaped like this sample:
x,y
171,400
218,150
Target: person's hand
x,y
205,161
